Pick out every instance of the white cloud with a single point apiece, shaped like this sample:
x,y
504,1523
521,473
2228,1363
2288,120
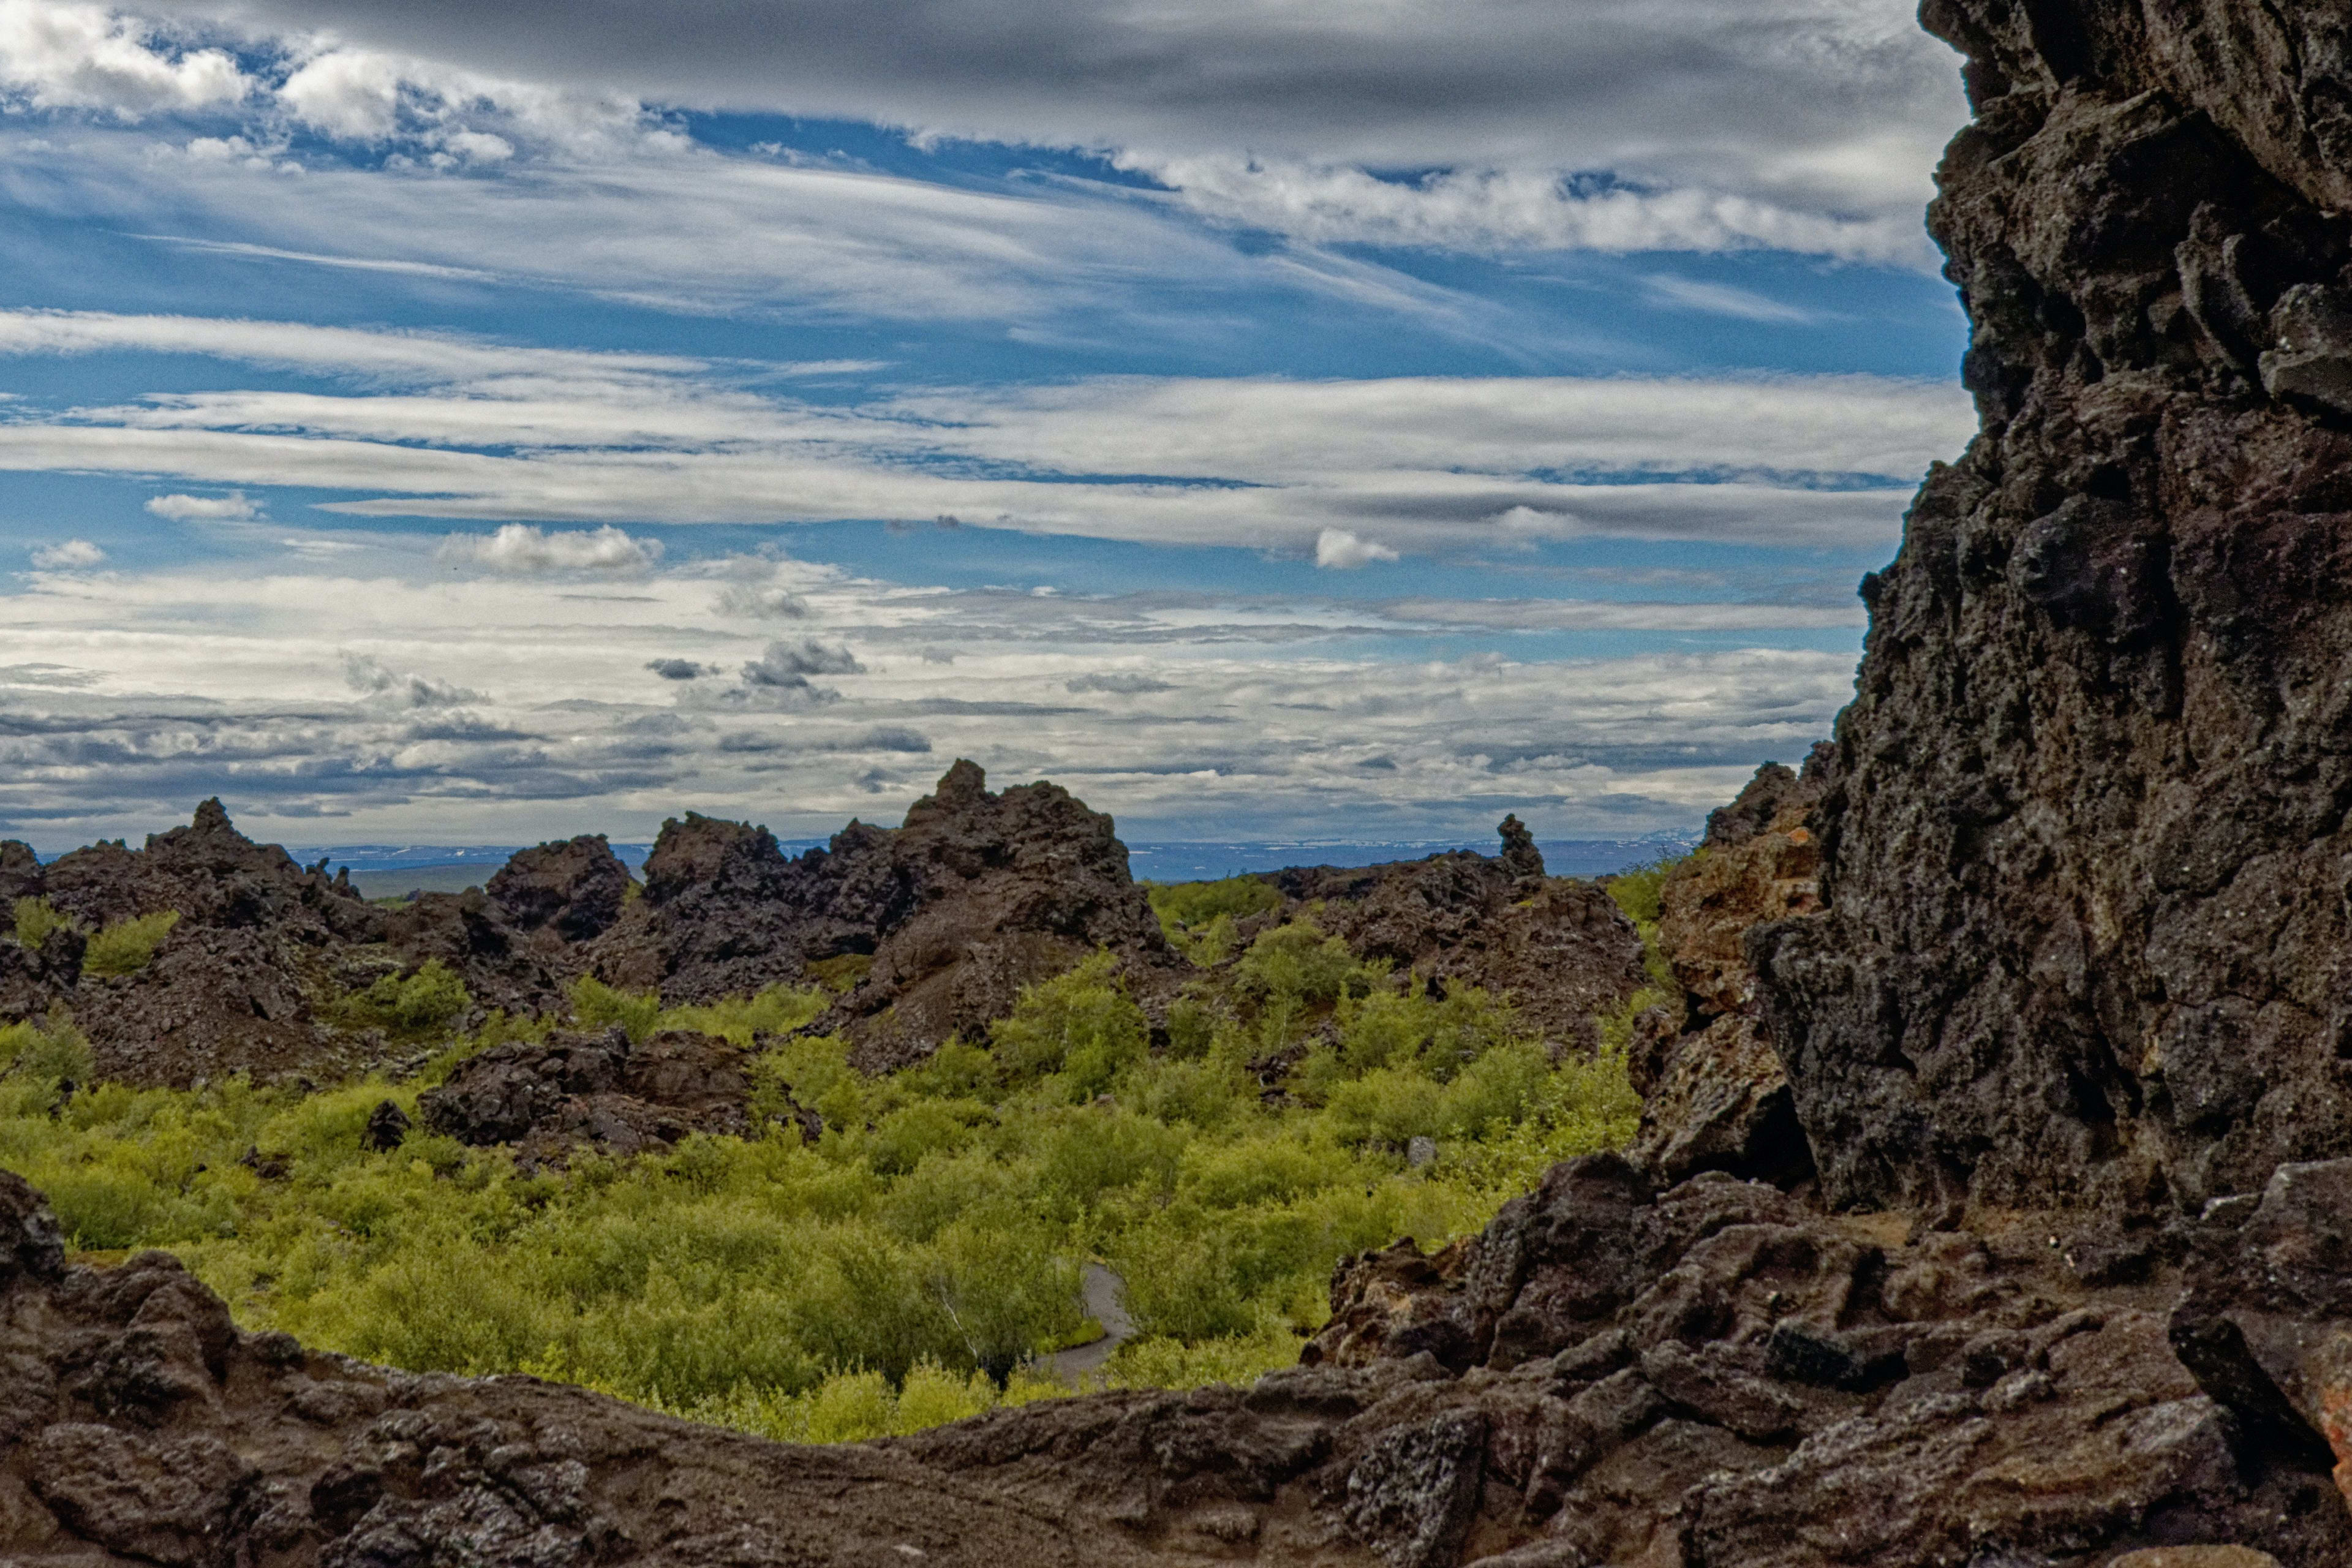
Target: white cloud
x,y
86,56
72,555
472,430
234,507
519,547
1504,210
1342,551
128,709
1826,112
1722,299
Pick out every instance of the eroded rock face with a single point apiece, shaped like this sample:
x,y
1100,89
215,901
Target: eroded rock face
x,y
1720,1373
233,988
2084,859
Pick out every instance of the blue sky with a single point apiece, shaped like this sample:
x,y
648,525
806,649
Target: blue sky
x,y
1348,420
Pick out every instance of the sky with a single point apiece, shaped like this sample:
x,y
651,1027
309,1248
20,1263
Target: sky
x,y
1266,419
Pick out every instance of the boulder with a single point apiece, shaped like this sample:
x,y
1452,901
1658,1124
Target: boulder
x,y
596,1090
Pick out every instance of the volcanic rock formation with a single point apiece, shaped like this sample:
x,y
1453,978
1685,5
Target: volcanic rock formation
x,y
929,930
549,1096
2085,859
1559,946
939,923
1715,1097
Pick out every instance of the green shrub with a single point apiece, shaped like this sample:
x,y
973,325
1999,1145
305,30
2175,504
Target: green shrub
x,y
739,1020
1198,918
1298,963
596,1005
126,946
1640,892
887,1274
1179,1280
51,1051
408,1007
35,918
1081,1025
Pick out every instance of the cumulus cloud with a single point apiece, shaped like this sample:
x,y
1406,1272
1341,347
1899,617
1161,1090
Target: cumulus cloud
x,y
1340,550
233,507
1283,704
891,738
1117,683
371,676
519,547
86,56
1506,210
71,555
678,668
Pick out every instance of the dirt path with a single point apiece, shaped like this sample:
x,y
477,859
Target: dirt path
x,y
1104,1293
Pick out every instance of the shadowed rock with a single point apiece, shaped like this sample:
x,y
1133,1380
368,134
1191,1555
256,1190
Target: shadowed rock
x,y
1559,947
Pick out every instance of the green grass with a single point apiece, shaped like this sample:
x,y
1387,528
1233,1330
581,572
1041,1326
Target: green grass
x,y
899,1270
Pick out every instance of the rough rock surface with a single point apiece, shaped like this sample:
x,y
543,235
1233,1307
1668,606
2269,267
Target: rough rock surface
x,y
1558,945
947,916
598,1090
1720,1373
138,1425
232,987
925,932
2084,859
1713,1095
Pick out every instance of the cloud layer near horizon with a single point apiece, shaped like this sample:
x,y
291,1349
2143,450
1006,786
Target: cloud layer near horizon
x,y
376,698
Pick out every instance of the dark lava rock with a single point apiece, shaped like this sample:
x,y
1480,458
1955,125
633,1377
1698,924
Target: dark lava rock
x,y
598,1089
1559,947
947,917
1715,1095
387,1125
576,887
234,985
2084,856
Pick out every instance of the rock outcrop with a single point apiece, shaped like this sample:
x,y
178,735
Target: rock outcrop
x,y
232,987
593,1090
138,1425
935,925
1558,946
2083,862
927,930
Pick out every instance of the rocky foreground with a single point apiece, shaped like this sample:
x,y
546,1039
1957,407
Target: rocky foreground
x,y
1993,1205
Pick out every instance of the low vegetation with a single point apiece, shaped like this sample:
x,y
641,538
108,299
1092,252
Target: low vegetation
x,y
35,918
901,1270
127,946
